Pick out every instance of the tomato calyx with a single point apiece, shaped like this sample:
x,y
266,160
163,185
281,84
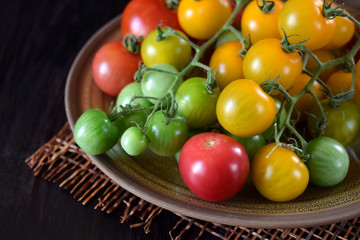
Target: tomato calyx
x,y
132,44
267,6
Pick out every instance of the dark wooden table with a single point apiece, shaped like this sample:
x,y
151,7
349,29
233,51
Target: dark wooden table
x,y
39,41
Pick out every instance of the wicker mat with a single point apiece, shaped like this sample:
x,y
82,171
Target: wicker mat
x,y
62,162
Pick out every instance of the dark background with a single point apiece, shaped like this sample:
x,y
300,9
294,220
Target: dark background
x,y
39,40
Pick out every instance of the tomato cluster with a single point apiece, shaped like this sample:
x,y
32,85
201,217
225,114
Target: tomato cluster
x,y
265,90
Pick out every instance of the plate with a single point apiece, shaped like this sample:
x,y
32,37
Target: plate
x,y
157,179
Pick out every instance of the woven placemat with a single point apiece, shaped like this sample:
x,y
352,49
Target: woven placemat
x,y
61,161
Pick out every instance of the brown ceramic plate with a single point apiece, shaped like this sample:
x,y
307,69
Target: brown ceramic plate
x,y
157,180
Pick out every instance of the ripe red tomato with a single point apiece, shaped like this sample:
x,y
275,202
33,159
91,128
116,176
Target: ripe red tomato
x,y
113,67
214,166
140,17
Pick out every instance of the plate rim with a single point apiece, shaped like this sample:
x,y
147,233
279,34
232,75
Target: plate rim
x,y
312,218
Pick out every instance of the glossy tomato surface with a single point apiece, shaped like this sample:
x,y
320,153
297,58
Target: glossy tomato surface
x,y
140,17
113,67
278,173
214,166
244,109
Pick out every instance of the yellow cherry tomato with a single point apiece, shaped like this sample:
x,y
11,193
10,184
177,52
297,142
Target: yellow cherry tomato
x,y
266,60
244,109
227,63
344,31
202,19
278,173
259,25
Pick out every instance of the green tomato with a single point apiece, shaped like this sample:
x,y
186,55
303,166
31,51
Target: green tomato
x,y
134,141
166,139
137,118
196,104
95,133
328,161
226,36
128,92
343,122
251,144
172,50
157,83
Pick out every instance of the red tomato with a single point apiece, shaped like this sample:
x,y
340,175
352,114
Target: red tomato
x,y
113,67
140,17
214,166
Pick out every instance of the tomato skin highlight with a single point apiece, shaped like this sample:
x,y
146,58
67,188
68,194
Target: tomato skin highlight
x,y
328,162
138,17
113,67
244,109
214,166
278,174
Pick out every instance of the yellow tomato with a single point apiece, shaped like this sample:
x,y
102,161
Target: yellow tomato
x,y
227,63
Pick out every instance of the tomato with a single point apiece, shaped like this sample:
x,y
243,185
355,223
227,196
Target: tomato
x,y
324,56
340,81
196,104
213,166
227,63
94,132
303,21
278,173
226,36
257,25
202,19
344,31
328,162
134,141
128,92
113,67
251,144
137,118
138,17
172,50
266,60
343,122
244,109
166,139
156,84
306,101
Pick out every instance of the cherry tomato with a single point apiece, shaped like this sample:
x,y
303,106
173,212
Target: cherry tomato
x,y
328,161
324,56
244,109
113,67
251,144
156,83
202,19
344,31
278,173
133,119
166,139
226,36
303,21
196,104
257,25
128,92
94,132
227,63
172,50
266,60
138,17
339,81
134,141
306,101
343,122
213,166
